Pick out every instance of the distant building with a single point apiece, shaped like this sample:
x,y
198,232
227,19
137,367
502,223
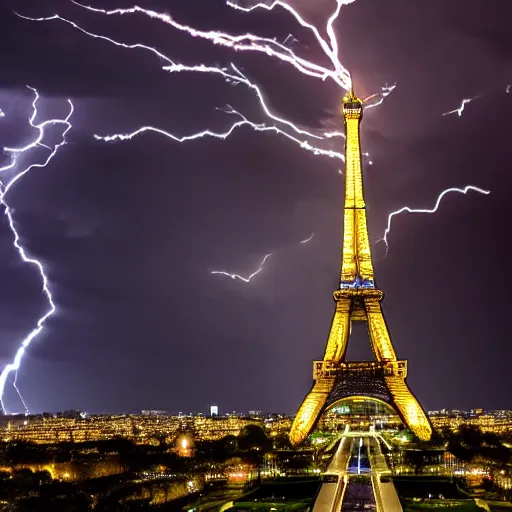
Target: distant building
x,y
70,414
214,410
154,413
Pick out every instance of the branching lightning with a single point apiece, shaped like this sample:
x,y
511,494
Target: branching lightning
x,y
251,43
407,209
259,127
245,42
6,186
242,278
459,110
315,142
260,268
380,96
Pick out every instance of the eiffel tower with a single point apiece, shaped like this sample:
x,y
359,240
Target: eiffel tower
x,y
358,299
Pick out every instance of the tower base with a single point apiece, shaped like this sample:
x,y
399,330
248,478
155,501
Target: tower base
x,y
384,381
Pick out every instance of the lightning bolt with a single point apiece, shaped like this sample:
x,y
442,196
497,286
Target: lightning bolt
x,y
385,91
308,239
260,266
314,142
249,43
242,278
407,209
259,127
6,186
459,110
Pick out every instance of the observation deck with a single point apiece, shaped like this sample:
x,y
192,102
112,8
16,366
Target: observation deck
x,y
332,370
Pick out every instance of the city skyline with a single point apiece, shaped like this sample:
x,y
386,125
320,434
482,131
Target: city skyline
x,y
130,232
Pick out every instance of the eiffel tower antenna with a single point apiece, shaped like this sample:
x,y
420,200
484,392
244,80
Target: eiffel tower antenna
x,y
358,299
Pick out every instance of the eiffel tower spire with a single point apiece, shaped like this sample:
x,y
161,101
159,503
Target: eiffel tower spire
x,y
358,299
356,261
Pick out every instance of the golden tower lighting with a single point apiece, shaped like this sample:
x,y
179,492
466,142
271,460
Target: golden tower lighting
x,y
358,299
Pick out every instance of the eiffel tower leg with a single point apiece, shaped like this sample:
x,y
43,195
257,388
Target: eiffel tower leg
x,y
378,330
314,402
409,408
310,410
405,402
340,330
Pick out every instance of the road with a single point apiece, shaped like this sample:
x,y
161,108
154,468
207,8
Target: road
x,y
331,493
386,496
330,497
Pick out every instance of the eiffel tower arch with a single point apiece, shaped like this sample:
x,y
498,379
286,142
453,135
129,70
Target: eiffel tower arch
x,y
358,300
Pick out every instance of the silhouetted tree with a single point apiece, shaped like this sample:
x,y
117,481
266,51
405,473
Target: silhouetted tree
x,y
23,477
42,477
218,450
253,437
469,442
470,436
25,453
282,442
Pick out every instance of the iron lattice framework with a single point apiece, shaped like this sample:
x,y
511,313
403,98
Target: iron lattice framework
x,y
358,300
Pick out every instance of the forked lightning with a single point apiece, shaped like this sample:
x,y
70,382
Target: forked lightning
x,y
316,142
242,278
251,43
12,175
248,43
408,209
260,267
459,110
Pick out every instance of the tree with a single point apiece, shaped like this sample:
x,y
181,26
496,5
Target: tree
x,y
218,450
254,442
24,477
118,444
42,477
282,442
253,437
470,441
25,453
471,437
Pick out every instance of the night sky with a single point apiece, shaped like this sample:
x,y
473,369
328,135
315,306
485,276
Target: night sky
x,y
130,231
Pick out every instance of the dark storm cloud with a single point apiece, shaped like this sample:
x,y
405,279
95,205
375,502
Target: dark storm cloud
x,y
492,29
129,232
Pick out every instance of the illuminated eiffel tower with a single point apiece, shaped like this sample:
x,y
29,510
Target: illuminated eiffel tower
x,y
358,299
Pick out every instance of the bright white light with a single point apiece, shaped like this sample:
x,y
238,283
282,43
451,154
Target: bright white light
x,y
253,43
260,267
407,209
308,239
12,165
386,90
242,278
304,144
459,110
244,42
